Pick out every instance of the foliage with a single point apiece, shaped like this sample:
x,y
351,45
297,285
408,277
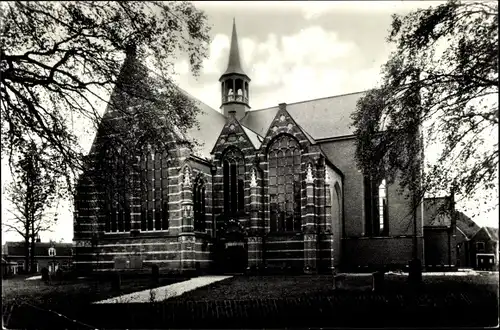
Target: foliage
x,y
439,91
60,61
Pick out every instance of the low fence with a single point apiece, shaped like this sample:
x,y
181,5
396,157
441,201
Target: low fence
x,y
339,310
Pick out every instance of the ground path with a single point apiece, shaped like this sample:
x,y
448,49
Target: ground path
x,y
165,292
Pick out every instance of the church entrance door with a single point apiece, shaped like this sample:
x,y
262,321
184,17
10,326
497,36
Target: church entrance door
x,y
232,255
235,257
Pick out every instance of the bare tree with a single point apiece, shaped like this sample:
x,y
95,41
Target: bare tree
x,y
31,193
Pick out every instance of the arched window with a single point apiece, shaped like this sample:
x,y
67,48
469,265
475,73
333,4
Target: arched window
x,y
382,207
154,210
285,184
234,188
199,204
376,214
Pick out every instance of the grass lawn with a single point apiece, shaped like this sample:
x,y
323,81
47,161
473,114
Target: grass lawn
x,y
264,287
264,301
76,292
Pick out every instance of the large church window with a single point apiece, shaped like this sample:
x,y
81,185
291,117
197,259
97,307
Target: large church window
x,y
233,176
117,217
285,185
199,203
154,209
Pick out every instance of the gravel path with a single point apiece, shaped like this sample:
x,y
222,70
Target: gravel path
x,y
165,292
34,278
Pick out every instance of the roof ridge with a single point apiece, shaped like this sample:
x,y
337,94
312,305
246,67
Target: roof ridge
x,y
316,99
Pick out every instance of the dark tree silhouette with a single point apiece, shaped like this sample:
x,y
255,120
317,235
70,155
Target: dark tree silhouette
x,y
439,90
61,61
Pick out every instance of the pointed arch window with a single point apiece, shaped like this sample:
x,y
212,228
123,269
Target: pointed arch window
x,y
233,167
199,204
154,207
285,185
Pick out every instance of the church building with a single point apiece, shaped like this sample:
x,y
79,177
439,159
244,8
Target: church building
x,y
274,188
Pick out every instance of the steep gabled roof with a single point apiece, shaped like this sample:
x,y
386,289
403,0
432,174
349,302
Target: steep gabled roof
x,y
210,123
466,224
493,232
320,118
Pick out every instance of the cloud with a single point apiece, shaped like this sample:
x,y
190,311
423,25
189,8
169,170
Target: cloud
x,y
311,63
314,45
247,53
296,67
288,68
307,53
312,9
315,9
218,47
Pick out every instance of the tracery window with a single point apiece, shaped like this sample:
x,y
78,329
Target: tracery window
x,y
233,177
118,212
285,185
154,208
199,203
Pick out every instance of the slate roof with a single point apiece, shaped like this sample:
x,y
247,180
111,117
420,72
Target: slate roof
x,y
319,118
210,123
41,249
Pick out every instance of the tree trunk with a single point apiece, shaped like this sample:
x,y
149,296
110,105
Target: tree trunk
x,y
32,261
26,252
33,253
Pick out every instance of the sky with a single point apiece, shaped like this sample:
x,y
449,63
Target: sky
x,y
293,51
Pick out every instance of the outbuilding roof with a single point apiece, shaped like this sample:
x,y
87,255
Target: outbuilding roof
x,y
41,249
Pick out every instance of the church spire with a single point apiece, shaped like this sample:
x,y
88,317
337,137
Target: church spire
x,y
234,83
234,63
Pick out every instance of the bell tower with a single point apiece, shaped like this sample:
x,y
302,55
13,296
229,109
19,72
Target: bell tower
x,y
234,83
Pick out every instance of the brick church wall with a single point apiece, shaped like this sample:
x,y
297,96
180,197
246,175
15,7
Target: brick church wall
x,y
165,248
367,253
440,248
364,251
284,251
341,153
